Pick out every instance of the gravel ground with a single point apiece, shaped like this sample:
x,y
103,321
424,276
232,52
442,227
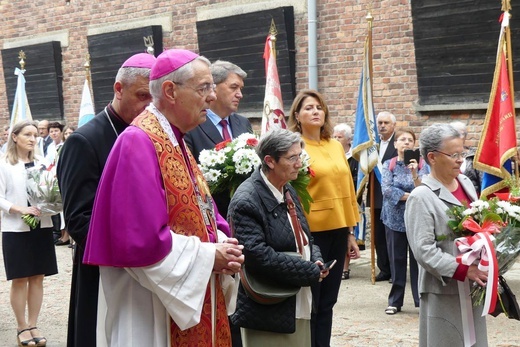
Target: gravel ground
x,y
359,317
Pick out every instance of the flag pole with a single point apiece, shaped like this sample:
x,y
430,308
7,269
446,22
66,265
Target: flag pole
x,y
506,7
273,32
372,180
21,110
88,76
273,116
86,108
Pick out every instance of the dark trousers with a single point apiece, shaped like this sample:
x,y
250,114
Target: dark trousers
x,y
56,226
383,263
398,252
236,338
333,245
83,303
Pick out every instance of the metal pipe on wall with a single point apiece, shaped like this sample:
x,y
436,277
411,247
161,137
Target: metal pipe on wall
x,y
313,44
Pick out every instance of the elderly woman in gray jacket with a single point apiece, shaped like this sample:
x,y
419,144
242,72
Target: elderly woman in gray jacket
x,y
441,320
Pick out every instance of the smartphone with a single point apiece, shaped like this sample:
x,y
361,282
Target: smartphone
x,y
411,154
328,265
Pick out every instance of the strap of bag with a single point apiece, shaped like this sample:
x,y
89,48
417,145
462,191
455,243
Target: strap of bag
x,y
298,231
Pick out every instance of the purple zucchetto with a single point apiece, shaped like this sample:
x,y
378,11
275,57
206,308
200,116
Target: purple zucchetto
x,y
171,60
140,60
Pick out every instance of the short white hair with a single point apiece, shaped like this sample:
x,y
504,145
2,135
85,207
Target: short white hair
x,y
345,129
386,113
460,127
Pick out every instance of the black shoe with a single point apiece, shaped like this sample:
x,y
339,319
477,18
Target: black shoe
x,y
62,243
346,274
382,277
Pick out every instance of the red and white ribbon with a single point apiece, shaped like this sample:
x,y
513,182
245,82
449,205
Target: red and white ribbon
x,y
472,248
480,247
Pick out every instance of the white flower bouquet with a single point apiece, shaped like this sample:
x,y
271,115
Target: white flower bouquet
x,y
501,220
230,163
42,192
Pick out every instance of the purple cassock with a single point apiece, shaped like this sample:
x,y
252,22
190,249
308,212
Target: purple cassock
x,y
129,224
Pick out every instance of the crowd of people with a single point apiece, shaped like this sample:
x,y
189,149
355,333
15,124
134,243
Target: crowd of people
x,y
157,257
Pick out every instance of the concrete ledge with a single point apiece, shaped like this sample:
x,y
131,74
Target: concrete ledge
x,y
455,107
61,36
164,20
231,8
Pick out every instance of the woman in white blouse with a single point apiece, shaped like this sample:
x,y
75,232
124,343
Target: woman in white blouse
x,y
29,254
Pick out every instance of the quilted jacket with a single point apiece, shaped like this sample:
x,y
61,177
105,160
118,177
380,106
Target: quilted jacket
x,y
262,225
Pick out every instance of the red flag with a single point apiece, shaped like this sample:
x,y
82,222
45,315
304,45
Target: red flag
x,y
500,133
498,142
273,116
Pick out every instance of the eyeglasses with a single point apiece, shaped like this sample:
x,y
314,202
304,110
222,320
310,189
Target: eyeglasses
x,y
203,90
454,156
294,158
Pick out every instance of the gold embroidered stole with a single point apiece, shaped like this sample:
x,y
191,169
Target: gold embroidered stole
x,y
185,217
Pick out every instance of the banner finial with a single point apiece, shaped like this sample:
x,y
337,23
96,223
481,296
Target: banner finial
x,y
87,62
506,5
21,56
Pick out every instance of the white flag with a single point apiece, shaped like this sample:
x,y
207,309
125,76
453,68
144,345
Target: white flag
x,y
86,109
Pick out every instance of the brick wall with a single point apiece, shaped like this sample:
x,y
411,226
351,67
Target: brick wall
x,y
342,28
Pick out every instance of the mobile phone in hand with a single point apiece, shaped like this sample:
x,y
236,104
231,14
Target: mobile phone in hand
x,y
328,265
411,154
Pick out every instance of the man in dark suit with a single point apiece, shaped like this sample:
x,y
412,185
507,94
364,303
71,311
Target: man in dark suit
x,y
82,159
222,121
385,127
45,140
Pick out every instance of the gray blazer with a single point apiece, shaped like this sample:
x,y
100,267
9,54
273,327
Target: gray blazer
x,y
425,220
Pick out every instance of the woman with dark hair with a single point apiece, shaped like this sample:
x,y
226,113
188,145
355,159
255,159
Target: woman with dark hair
x,y
260,213
56,134
398,180
29,254
334,211
431,240
67,130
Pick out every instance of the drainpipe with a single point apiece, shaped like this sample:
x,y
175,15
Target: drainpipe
x,y
313,44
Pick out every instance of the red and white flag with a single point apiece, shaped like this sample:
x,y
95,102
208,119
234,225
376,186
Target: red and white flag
x,y
497,144
273,116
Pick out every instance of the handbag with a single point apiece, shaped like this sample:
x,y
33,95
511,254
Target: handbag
x,y
506,300
263,290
